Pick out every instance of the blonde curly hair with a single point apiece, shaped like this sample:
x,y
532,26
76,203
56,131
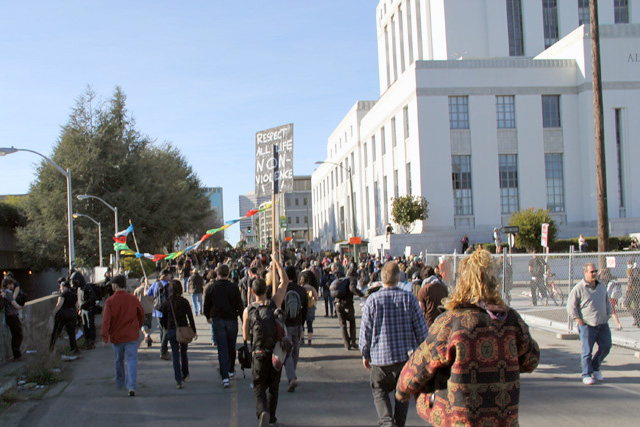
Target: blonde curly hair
x,y
477,281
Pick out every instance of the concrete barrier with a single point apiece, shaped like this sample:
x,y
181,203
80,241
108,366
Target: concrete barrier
x,y
37,323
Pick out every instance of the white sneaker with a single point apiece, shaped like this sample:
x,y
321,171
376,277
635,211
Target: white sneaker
x,y
597,375
588,381
225,383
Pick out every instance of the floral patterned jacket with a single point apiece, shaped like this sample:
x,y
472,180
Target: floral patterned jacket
x,y
467,371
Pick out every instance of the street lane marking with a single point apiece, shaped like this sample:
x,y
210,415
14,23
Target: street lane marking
x,y
617,387
233,419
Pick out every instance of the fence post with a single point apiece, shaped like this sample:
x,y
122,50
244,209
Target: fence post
x,y
569,319
455,268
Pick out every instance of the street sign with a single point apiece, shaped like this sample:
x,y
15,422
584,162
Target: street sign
x,y
283,222
355,240
544,239
288,239
511,229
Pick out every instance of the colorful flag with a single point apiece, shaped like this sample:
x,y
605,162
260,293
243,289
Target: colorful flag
x,y
125,232
120,239
121,247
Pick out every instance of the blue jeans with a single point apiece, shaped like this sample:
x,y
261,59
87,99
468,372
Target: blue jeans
x,y
226,332
197,302
126,351
179,356
590,335
291,361
328,303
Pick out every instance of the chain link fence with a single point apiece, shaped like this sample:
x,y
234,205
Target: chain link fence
x,y
539,284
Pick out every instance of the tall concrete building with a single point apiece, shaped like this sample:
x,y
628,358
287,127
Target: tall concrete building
x,y
486,107
249,226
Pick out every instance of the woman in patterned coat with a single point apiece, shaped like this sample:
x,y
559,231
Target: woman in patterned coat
x,y
467,372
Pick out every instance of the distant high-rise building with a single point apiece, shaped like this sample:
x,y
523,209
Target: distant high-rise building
x,y
248,226
214,194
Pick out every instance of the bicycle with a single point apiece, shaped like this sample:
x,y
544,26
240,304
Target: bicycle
x,y
553,292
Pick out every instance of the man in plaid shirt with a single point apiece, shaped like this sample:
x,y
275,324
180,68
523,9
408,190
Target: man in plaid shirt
x,y
394,318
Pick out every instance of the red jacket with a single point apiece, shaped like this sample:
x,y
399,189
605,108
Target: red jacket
x,y
122,318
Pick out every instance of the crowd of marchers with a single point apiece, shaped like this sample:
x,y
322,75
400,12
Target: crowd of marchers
x,y
453,344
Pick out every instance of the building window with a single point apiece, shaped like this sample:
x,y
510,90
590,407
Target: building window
x,y
288,201
376,202
619,158
459,112
409,179
514,28
288,220
551,111
555,182
584,14
508,164
306,219
621,11
405,115
550,21
401,35
383,141
385,199
297,220
506,111
364,154
393,132
373,148
297,202
409,32
395,184
461,181
366,192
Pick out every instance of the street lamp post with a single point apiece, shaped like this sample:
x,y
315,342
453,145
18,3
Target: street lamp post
x,y
77,215
353,202
72,253
115,212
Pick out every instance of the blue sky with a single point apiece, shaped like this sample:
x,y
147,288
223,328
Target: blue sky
x,y
204,75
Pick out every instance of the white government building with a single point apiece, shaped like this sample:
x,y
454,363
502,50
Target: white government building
x,y
486,107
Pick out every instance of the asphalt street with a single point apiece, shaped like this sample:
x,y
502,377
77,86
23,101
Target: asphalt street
x,y
333,390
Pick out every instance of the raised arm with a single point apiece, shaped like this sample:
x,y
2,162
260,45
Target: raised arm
x,y
278,297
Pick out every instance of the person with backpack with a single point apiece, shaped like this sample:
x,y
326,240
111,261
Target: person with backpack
x,y
295,306
260,326
159,291
328,277
310,285
343,290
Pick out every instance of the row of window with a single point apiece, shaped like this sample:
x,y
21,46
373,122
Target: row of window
x,y
505,111
306,219
297,201
550,21
508,180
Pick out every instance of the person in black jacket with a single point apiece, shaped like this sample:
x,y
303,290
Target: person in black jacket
x,y
65,316
222,307
177,309
87,303
346,311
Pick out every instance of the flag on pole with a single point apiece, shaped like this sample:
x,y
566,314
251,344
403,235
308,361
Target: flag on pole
x,y
120,239
125,232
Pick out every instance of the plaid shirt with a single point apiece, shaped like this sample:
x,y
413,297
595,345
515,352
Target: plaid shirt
x,y
392,325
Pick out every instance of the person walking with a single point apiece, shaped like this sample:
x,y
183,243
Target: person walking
x,y
614,291
176,312
222,307
195,286
295,307
121,322
467,372
259,325
87,302
147,305
159,291
392,327
346,311
65,315
310,285
588,304
12,315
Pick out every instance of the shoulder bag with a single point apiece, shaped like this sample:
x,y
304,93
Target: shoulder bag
x,y
184,334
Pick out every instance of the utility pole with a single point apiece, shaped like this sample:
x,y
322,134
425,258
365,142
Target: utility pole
x,y
598,115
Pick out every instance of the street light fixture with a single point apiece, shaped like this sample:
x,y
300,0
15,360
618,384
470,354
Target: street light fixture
x,y
115,212
77,215
353,202
72,254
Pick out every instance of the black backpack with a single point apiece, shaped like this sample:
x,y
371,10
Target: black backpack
x,y
262,322
292,305
339,288
161,296
244,357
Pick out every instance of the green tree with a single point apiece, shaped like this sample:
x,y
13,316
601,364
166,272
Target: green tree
x,y
530,222
406,210
108,157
